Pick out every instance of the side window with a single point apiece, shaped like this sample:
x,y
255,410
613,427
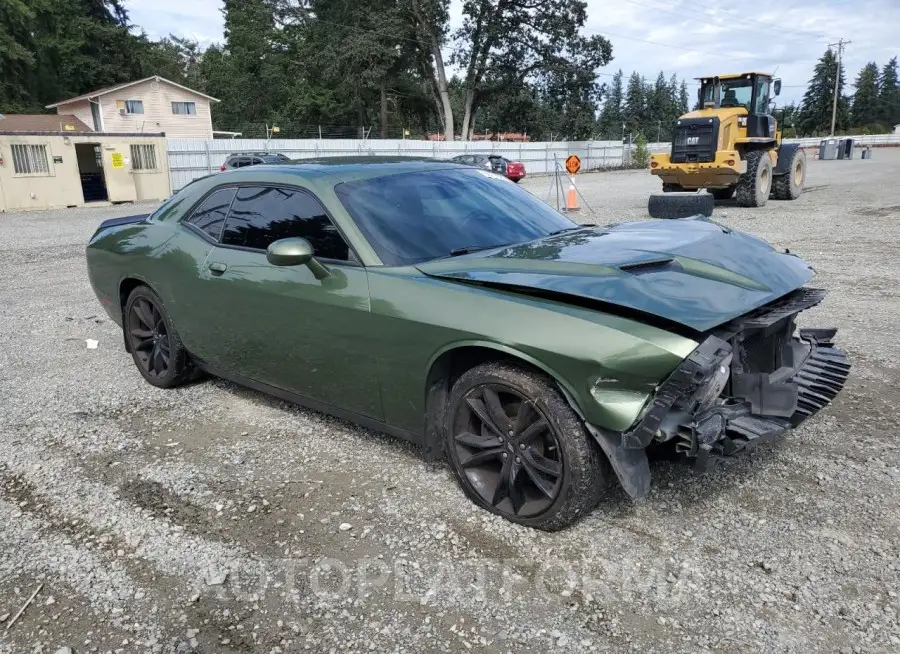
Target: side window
x,y
762,95
210,215
261,215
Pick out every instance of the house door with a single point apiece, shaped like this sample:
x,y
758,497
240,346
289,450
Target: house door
x,y
117,172
90,168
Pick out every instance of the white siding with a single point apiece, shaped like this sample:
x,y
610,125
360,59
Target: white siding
x,y
157,117
81,110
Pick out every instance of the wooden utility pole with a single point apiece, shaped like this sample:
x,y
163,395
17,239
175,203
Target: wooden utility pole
x,y
837,79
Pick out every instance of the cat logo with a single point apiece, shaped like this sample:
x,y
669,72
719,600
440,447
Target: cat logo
x,y
693,140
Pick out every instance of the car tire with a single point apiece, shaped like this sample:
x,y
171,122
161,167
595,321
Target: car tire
x,y
754,186
546,472
154,343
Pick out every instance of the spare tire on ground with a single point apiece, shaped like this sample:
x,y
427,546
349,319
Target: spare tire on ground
x,y
680,205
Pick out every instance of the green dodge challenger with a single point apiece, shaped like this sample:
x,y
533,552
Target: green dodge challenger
x,y
448,306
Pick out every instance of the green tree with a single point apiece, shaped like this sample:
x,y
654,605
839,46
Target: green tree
x,y
815,115
889,93
684,99
514,41
611,114
865,110
640,155
635,108
16,55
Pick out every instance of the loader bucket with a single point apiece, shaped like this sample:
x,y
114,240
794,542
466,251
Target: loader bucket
x,y
680,205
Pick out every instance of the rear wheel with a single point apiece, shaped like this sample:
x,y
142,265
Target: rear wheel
x,y
157,350
753,187
519,450
789,186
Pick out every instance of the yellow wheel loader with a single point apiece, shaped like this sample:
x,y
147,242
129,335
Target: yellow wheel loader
x,y
731,147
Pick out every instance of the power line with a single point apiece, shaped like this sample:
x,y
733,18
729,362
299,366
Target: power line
x,y
743,18
693,20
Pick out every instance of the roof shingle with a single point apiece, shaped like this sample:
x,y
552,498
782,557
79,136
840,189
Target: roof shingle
x,y
42,123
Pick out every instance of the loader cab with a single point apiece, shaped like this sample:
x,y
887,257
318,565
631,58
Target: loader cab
x,y
751,91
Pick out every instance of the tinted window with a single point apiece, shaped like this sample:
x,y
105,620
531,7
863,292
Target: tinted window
x,y
413,217
261,215
210,215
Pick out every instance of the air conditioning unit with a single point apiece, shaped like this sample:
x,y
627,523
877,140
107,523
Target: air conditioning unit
x,y
122,111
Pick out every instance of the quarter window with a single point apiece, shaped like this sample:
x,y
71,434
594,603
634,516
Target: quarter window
x,y
184,108
261,215
210,215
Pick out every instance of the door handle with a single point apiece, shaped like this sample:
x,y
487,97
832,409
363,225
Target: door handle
x,y
217,268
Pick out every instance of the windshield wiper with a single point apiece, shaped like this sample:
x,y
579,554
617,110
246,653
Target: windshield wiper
x,y
474,248
571,229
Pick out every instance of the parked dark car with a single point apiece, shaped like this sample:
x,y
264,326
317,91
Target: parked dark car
x,y
243,159
442,304
513,170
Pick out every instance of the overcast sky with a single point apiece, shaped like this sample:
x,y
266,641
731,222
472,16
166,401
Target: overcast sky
x,y
676,36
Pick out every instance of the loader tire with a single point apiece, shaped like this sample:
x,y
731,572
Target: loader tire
x,y
753,187
670,206
789,186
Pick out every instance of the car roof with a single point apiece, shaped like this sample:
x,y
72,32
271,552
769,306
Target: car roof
x,y
349,169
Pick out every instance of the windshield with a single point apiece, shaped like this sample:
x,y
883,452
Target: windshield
x,y
413,217
734,93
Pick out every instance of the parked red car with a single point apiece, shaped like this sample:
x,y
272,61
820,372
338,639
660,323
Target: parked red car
x,y
513,170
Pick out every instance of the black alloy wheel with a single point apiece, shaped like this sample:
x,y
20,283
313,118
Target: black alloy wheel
x,y
149,338
154,344
508,450
519,449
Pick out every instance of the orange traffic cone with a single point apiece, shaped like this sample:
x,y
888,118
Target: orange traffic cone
x,y
572,197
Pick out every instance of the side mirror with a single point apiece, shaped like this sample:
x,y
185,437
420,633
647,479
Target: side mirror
x,y
295,252
777,87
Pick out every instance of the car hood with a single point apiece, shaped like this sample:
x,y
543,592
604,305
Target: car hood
x,y
693,271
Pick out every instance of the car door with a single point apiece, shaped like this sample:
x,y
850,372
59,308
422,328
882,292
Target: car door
x,y
279,325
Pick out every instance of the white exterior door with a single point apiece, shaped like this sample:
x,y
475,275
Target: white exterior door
x,y
117,171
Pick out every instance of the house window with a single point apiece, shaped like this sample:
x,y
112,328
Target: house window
x,y
30,160
184,108
134,106
143,157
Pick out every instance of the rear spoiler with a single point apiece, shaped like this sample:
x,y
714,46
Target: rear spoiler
x,y
117,222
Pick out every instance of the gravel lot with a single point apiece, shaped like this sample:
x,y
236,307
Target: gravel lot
x,y
215,519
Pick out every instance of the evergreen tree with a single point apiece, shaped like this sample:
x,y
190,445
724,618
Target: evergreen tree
x,y
684,99
815,115
16,56
611,114
635,108
659,107
249,76
865,101
889,94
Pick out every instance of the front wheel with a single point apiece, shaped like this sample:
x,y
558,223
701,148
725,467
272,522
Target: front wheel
x,y
157,350
519,450
753,187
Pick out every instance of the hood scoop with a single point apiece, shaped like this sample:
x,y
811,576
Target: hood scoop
x,y
657,265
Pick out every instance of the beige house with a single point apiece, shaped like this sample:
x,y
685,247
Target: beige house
x,y
150,105
55,169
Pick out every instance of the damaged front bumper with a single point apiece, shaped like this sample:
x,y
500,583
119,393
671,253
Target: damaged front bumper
x,y
748,382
